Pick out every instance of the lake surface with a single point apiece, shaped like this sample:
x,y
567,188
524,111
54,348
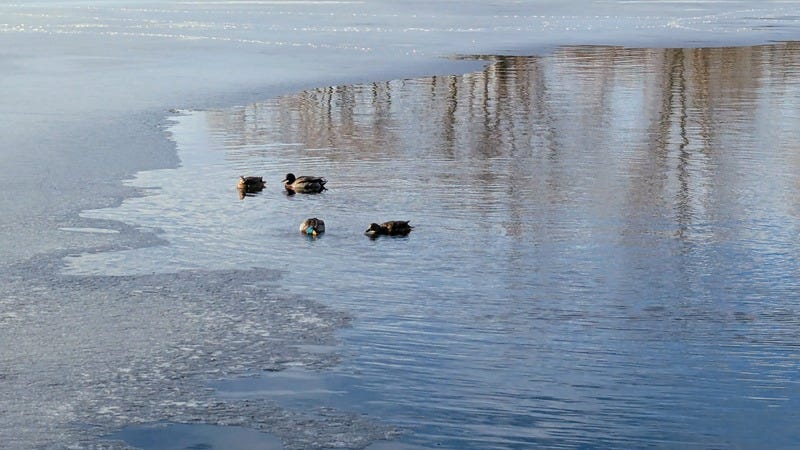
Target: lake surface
x,y
605,253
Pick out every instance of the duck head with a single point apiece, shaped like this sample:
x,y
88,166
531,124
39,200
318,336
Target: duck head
x,y
289,178
373,230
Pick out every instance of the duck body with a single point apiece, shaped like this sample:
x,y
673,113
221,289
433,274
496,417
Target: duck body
x,y
312,226
391,228
250,184
304,184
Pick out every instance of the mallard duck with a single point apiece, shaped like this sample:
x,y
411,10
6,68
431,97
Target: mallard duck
x,y
304,184
250,184
391,228
312,226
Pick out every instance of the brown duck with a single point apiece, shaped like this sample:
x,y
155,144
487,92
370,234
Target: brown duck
x,y
250,184
312,226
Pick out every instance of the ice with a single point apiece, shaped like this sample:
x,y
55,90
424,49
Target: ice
x,y
416,28
144,355
88,230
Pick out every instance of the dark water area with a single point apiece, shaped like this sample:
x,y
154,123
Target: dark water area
x,y
197,437
605,253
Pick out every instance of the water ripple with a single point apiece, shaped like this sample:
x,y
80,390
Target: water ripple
x,y
605,249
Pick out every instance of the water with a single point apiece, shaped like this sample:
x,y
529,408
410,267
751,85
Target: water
x,y
605,249
198,437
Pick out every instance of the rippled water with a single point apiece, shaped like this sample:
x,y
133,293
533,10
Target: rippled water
x,y
605,248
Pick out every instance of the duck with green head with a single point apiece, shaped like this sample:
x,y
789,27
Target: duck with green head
x,y
304,184
391,228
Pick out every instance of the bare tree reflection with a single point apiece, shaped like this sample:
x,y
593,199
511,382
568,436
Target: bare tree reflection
x,y
587,134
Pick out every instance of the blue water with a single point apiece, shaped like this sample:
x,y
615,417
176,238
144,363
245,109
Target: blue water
x,y
197,437
605,253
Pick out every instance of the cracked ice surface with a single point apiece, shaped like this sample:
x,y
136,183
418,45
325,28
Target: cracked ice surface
x,y
147,346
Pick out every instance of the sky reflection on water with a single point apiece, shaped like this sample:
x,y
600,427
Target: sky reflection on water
x,y
605,253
